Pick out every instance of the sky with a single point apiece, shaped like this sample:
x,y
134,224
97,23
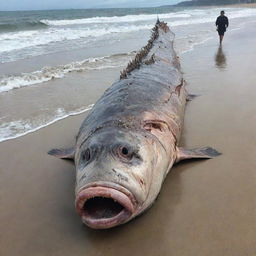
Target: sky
x,y
13,5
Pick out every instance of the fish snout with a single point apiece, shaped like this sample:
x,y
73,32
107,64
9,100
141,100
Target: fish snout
x,y
102,207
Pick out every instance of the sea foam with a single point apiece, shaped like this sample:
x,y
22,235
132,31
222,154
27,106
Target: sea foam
x,y
16,129
179,18
8,83
116,19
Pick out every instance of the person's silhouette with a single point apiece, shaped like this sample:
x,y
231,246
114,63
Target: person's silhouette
x,y
222,24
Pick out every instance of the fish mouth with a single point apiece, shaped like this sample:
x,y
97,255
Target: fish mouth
x,y
104,207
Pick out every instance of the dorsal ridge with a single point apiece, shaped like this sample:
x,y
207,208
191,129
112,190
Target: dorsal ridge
x,y
138,59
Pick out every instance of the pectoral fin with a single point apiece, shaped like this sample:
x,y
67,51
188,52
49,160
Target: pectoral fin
x,y
197,153
68,153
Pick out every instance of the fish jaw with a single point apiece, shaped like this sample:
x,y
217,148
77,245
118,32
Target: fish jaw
x,y
105,206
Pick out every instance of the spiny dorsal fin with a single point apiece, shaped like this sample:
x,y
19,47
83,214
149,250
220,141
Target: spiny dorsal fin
x,y
137,61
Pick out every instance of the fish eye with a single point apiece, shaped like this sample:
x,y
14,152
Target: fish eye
x,y
125,151
86,155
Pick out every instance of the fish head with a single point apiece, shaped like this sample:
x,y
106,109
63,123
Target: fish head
x,y
119,173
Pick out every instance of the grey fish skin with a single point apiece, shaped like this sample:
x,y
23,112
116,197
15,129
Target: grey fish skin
x,y
129,141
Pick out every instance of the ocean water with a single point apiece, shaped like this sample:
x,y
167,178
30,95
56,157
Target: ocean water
x,y
50,61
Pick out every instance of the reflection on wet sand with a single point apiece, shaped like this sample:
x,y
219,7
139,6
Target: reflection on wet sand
x,y
220,59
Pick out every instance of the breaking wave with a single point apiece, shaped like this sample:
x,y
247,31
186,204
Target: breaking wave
x,y
24,39
20,128
8,83
116,19
27,25
179,18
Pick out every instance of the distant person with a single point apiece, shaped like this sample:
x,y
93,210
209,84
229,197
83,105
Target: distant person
x,y
222,24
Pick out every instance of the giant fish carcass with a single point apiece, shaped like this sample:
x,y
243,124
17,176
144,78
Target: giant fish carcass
x,y
130,140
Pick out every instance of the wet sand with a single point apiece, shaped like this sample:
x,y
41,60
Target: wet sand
x,y
205,207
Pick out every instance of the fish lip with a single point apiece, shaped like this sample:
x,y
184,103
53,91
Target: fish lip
x,y
113,191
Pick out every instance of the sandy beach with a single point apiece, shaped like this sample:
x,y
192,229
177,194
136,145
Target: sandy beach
x,y
205,208
249,5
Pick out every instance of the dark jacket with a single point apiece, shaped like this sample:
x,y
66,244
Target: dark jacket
x,y
222,23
